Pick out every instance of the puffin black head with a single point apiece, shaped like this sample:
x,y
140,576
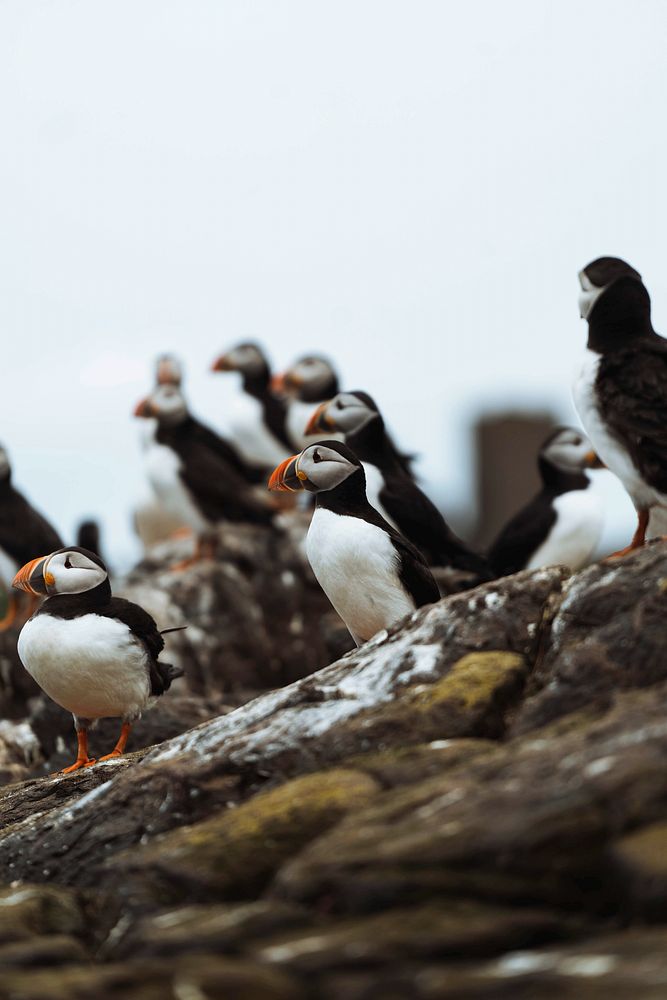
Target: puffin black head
x,y
309,379
168,370
247,358
347,412
66,571
166,403
615,302
568,450
319,467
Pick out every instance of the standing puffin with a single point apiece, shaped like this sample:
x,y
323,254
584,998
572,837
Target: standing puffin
x,y
196,474
561,526
93,654
259,429
22,532
390,486
309,381
621,393
370,573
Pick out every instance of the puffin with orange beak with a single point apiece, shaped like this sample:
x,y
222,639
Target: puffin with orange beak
x,y
390,486
257,416
309,381
95,655
197,475
23,531
372,575
562,524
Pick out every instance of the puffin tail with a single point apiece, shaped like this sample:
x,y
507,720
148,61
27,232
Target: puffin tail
x,y
168,673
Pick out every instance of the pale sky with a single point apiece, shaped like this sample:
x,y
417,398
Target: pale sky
x,y
410,187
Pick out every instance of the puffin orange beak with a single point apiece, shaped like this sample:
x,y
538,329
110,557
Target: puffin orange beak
x,y
32,579
320,420
143,409
222,364
286,478
278,383
593,461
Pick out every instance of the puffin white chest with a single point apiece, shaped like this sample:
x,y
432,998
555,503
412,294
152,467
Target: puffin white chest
x,y
607,445
374,485
252,437
357,567
575,534
92,666
163,467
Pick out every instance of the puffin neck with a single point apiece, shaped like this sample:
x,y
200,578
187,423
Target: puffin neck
x,y
257,385
349,497
71,605
620,317
371,444
558,481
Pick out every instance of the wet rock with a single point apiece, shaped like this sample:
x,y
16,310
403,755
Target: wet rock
x,y
27,911
54,950
607,635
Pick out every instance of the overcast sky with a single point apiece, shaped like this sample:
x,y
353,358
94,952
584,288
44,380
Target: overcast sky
x,y
410,187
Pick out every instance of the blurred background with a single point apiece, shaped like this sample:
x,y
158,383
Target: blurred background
x,y
408,188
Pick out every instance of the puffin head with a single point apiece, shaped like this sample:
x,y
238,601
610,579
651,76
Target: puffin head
x,y
347,412
309,379
168,370
66,571
319,467
166,403
248,359
615,303
569,450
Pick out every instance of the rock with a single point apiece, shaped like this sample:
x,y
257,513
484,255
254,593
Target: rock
x,y
233,855
607,635
20,750
472,805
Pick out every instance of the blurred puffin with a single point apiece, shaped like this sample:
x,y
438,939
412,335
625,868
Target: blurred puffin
x,y
93,654
22,532
309,381
389,484
561,526
259,429
621,393
196,474
370,573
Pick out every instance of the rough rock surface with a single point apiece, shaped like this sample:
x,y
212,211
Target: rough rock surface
x,y
473,805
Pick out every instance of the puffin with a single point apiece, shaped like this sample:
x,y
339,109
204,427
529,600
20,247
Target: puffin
x,y
258,429
561,525
391,488
95,655
310,380
372,575
22,531
621,391
197,475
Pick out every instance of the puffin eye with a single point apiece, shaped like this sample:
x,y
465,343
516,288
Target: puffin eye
x,y
68,564
316,456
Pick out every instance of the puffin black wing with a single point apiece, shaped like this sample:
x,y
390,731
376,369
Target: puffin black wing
x,y
218,489
24,533
413,572
143,627
203,435
522,535
423,524
631,387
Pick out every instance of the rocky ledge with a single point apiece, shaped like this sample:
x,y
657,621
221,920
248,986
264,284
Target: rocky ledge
x,y
474,804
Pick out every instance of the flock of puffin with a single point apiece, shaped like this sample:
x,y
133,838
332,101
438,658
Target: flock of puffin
x,y
374,535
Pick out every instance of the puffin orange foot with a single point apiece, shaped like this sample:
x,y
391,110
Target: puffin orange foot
x,y
623,552
76,766
185,564
115,753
